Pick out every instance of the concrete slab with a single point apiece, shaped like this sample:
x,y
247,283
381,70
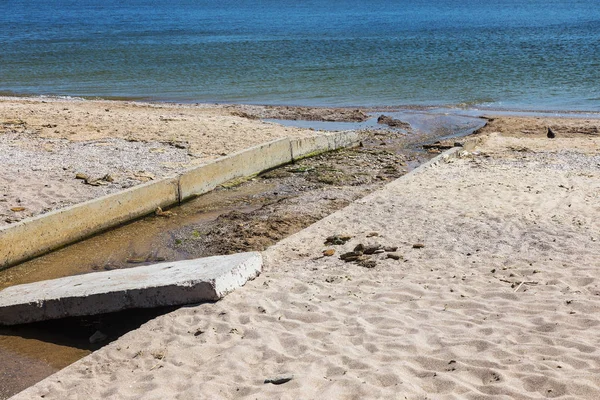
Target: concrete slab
x,y
170,283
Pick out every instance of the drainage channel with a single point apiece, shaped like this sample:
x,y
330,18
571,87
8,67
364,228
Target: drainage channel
x,y
237,217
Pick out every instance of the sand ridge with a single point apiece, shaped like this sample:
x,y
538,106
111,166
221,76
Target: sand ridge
x,y
501,301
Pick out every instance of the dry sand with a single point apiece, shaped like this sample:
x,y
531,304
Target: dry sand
x,y
45,143
502,301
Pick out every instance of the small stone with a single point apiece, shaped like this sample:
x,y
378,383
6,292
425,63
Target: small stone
x,y
328,252
351,256
359,247
372,249
418,246
280,379
368,263
17,209
394,256
108,178
97,337
371,234
136,260
160,213
261,310
198,332
390,249
337,239
84,177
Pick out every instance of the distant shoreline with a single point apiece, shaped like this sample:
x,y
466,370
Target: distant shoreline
x,y
470,109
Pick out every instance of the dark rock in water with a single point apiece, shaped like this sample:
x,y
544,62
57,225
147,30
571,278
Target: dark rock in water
x,y
550,134
391,122
394,256
418,246
278,380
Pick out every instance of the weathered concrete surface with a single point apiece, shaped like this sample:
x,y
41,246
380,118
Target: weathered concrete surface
x,y
338,140
305,147
171,283
38,235
320,143
206,177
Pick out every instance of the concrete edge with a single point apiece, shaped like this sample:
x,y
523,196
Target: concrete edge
x,y
38,235
450,153
41,234
204,178
174,283
321,143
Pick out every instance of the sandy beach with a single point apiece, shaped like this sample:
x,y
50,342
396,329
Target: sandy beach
x,y
47,144
492,292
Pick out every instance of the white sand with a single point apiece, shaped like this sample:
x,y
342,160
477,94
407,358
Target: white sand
x,y
445,322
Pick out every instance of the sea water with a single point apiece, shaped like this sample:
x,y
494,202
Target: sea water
x,y
519,54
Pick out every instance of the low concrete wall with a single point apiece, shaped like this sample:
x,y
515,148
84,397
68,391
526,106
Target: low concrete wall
x,y
312,145
254,160
338,140
306,147
38,235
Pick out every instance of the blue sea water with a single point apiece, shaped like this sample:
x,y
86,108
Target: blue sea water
x,y
520,54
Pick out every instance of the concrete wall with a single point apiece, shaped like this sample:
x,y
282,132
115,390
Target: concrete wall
x,y
38,235
312,145
205,178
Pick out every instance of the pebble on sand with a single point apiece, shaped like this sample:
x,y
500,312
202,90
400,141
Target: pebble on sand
x,y
280,379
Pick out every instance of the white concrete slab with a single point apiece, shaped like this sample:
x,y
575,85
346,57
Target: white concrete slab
x,y
170,283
